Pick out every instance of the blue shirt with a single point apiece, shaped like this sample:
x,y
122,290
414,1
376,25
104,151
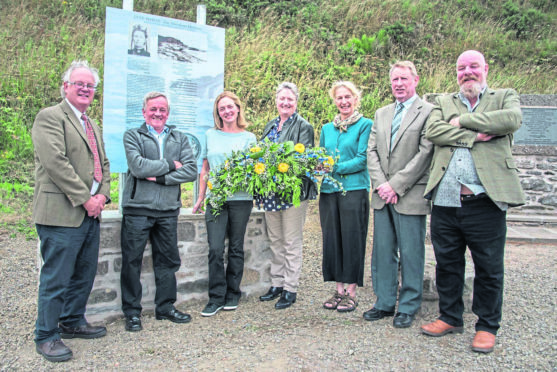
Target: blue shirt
x,y
159,137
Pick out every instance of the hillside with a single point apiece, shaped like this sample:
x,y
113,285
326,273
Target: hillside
x,y
312,43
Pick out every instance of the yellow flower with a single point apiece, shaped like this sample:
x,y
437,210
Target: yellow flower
x,y
283,167
259,168
330,160
299,147
255,149
226,164
210,185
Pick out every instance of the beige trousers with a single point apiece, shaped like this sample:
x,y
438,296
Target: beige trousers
x,y
285,230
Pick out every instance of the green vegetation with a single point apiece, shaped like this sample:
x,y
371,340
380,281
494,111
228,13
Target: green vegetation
x,y
312,43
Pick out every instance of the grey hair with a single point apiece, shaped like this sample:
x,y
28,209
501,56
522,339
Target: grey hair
x,y
74,66
152,95
288,85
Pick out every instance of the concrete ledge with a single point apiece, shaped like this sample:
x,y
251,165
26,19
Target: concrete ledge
x,y
192,279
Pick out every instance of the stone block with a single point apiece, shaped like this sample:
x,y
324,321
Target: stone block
x,y
186,232
102,295
102,268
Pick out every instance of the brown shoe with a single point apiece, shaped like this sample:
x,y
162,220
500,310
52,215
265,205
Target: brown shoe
x,y
483,342
439,328
54,351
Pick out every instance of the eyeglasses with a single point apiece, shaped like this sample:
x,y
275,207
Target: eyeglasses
x,y
82,85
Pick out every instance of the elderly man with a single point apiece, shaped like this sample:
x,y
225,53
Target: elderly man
x,y
398,162
473,181
72,185
159,160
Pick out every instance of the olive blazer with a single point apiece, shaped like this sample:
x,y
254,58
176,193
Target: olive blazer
x,y
64,167
499,114
406,165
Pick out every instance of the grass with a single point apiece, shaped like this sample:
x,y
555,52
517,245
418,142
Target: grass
x,y
311,43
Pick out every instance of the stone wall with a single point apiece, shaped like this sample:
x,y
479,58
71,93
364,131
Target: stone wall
x,y
105,301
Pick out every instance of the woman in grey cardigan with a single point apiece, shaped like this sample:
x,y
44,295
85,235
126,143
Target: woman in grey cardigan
x,y
284,221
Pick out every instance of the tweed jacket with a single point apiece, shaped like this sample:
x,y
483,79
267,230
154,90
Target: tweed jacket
x,y
498,113
64,167
406,165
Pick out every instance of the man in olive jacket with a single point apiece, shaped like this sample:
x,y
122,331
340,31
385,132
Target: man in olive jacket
x,y
159,160
72,185
473,181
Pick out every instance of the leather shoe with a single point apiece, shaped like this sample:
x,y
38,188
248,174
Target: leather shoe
x,y
376,314
54,351
286,300
83,331
133,323
439,328
271,294
174,316
403,320
483,342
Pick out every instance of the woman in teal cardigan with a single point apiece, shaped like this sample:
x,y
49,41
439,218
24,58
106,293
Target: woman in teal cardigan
x,y
345,217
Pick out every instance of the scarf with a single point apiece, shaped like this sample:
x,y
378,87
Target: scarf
x,y
342,125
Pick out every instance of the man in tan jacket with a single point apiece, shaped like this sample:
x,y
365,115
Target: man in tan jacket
x,y
398,161
72,186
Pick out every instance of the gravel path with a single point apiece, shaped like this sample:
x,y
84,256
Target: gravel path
x,y
305,337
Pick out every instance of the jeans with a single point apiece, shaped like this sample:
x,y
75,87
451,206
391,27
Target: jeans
x,y
232,221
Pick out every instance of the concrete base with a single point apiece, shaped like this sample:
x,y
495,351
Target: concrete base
x,y
105,300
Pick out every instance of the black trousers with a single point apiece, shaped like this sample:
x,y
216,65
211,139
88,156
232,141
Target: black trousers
x,y
161,232
344,223
480,225
70,256
232,222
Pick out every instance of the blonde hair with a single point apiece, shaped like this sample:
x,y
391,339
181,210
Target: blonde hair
x,y
348,85
240,122
404,64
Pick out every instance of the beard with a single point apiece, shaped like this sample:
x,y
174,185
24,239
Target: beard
x,y
471,90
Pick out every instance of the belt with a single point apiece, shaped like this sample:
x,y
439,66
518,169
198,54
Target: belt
x,y
470,197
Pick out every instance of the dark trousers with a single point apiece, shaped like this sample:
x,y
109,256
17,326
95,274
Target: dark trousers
x,y
161,232
398,238
70,256
232,221
344,223
480,225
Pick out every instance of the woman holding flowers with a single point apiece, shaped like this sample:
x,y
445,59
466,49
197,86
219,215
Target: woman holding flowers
x,y
228,135
345,215
284,221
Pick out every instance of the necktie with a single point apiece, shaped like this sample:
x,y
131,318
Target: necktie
x,y
98,174
396,122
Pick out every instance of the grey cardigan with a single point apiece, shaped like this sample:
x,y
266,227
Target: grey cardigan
x,y
143,197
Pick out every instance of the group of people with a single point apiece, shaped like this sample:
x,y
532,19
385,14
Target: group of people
x,y
452,159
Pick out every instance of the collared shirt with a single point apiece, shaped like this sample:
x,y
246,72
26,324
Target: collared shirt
x,y
406,106
273,203
78,114
159,136
461,171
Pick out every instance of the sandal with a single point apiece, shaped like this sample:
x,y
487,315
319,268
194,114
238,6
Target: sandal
x,y
347,304
332,303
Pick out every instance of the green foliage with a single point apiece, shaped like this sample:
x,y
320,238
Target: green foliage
x,y
309,42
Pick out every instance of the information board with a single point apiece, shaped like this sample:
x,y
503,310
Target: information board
x,y
145,53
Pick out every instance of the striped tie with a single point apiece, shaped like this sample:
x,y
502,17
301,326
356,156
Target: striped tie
x,y
98,174
396,122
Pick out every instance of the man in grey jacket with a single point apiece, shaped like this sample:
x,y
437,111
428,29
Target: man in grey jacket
x,y
159,160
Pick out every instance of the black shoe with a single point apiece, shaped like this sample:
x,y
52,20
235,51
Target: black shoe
x,y
84,331
376,314
133,323
211,309
402,320
286,300
271,294
231,304
174,316
54,351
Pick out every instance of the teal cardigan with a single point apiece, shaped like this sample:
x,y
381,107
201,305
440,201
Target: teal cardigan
x,y
351,146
